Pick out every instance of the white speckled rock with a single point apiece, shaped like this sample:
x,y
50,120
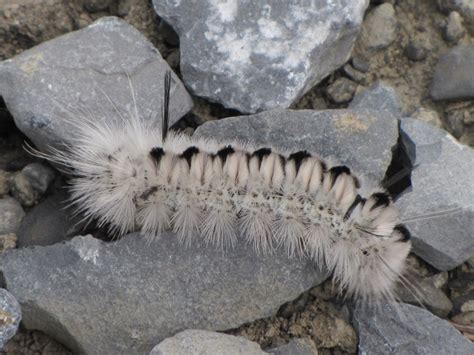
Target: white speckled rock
x,y
204,342
259,55
76,74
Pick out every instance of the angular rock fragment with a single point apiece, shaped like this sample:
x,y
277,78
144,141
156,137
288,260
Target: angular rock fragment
x,y
439,211
129,295
254,56
85,74
407,330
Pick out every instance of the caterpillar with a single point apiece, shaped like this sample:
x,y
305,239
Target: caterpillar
x,y
128,175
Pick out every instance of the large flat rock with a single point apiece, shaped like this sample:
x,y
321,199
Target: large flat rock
x,y
254,56
86,74
440,209
360,138
127,296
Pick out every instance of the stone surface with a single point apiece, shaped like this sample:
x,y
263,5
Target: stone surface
x,y
454,77
331,331
129,295
443,188
303,346
378,97
204,342
48,223
379,28
11,215
342,90
39,175
76,74
454,30
361,139
10,316
259,56
408,330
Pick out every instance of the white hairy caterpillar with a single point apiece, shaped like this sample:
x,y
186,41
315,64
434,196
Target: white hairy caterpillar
x,y
128,175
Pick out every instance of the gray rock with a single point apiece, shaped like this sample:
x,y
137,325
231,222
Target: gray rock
x,y
129,295
454,30
407,330
454,77
5,182
379,28
204,342
443,188
71,76
342,90
48,223
361,139
258,55
11,214
464,7
378,97
39,175
10,316
302,346
355,75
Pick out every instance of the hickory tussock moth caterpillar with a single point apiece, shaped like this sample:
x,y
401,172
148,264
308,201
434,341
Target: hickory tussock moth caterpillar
x,y
129,175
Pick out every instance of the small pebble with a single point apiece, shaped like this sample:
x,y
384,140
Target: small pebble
x,y
96,5
379,28
329,331
10,316
468,306
454,30
361,63
440,280
7,241
415,51
11,215
354,74
342,90
465,318
39,175
23,191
